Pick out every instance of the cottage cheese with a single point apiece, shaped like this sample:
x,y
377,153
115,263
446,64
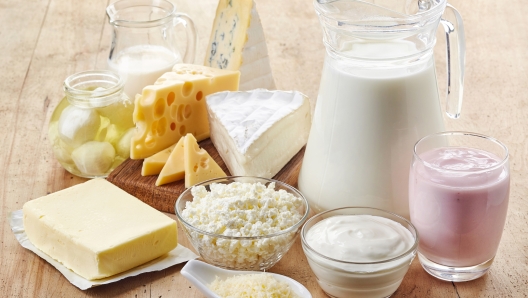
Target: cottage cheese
x,y
242,210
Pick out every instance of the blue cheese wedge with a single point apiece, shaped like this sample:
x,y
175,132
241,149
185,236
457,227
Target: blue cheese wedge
x,y
237,42
257,132
97,230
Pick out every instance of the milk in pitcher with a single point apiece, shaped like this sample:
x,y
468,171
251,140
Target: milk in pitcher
x,y
142,65
365,124
145,42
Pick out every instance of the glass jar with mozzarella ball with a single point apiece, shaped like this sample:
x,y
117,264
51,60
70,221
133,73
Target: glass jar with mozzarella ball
x,y
359,251
91,127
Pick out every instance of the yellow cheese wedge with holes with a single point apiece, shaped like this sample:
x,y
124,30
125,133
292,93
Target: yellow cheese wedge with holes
x,y
199,165
154,164
175,106
173,169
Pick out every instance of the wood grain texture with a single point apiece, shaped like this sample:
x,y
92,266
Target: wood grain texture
x,y
44,41
128,177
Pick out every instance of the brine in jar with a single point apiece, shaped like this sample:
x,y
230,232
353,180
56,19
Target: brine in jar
x,y
91,127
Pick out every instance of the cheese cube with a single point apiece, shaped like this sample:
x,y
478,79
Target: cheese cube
x,y
98,230
175,106
237,42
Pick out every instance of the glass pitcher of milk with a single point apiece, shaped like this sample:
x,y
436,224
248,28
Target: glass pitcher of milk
x,y
378,96
146,42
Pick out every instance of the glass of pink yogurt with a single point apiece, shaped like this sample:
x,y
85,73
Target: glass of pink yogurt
x,y
459,187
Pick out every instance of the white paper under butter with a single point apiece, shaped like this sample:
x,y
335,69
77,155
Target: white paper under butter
x,y
176,256
257,132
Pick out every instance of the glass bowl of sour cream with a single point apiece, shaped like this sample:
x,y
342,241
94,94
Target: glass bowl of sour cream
x,y
359,251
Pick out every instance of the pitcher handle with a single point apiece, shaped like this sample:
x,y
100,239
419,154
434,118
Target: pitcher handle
x,y
456,52
190,31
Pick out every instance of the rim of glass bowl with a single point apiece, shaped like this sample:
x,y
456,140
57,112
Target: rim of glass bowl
x,y
466,134
210,181
400,256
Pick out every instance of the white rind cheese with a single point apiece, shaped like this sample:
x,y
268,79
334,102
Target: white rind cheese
x,y
98,230
238,43
256,133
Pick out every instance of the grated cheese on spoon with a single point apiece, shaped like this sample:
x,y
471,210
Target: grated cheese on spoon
x,y
258,285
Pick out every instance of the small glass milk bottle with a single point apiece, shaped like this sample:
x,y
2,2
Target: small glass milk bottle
x,y
91,127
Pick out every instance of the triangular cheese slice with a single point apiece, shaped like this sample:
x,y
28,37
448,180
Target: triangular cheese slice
x,y
153,165
173,169
199,165
237,42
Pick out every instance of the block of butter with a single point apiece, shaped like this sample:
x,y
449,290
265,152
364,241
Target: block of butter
x,y
97,230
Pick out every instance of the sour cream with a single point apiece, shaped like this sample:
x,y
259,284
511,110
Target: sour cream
x,y
359,255
359,238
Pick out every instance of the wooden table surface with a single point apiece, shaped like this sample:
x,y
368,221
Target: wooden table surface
x,y
44,41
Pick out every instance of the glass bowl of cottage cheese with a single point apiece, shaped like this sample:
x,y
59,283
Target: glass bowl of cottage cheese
x,y
359,251
242,223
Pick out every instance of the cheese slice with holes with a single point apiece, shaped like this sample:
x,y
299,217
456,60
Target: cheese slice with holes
x,y
173,169
97,229
154,164
175,106
199,165
257,132
237,42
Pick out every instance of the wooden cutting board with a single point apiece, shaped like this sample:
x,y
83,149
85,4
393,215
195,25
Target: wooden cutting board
x,y
127,176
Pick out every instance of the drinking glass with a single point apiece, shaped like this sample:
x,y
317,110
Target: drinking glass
x,y
459,187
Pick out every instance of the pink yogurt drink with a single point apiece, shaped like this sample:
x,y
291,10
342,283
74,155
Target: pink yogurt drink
x,y
458,199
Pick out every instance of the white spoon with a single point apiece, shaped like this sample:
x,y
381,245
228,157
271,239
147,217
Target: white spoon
x,y
202,274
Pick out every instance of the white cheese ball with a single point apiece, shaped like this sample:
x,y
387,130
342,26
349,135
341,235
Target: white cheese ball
x,y
77,125
242,209
61,150
94,158
123,146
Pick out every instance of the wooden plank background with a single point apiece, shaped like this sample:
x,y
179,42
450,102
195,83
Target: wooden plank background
x,y
44,41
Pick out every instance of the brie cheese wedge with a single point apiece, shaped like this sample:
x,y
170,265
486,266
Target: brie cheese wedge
x,y
257,132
